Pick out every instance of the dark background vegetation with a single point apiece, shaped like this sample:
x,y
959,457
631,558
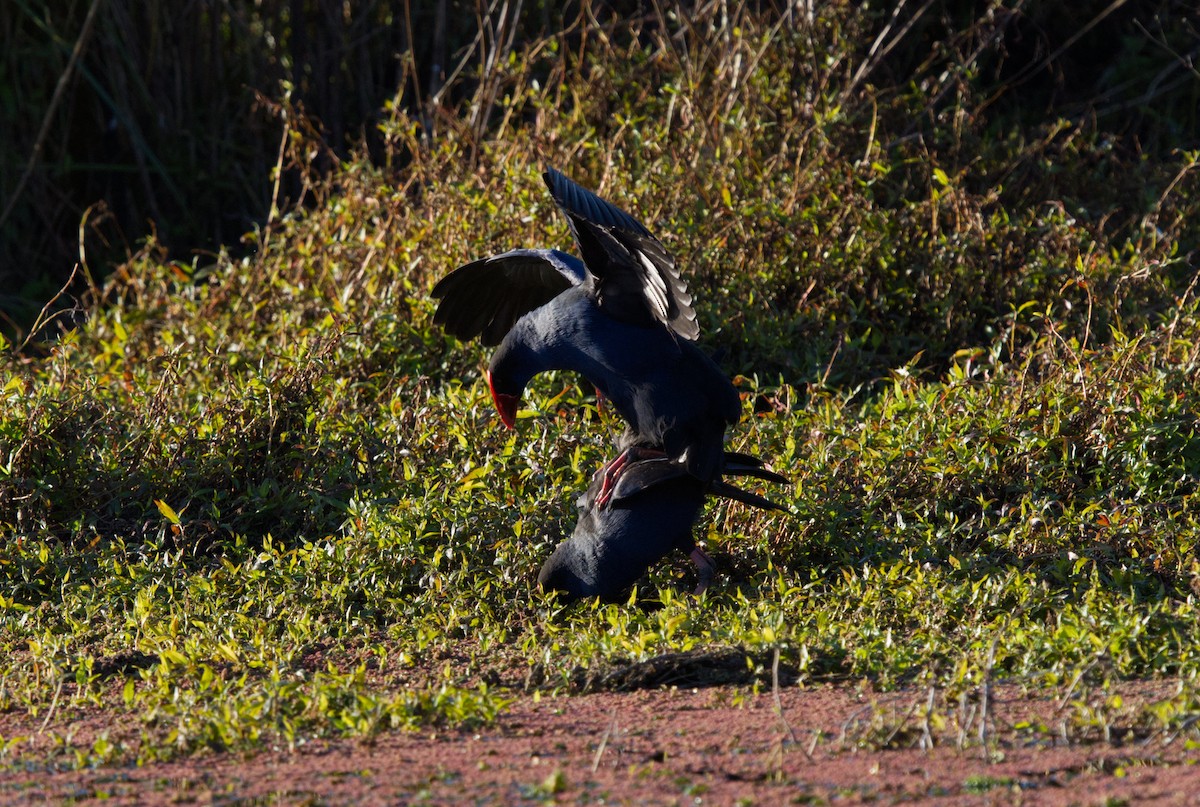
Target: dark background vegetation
x,y
169,121
168,124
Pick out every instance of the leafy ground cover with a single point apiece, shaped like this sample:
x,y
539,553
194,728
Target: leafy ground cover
x,y
255,503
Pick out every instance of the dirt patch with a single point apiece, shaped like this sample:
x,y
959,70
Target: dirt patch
x,y
679,746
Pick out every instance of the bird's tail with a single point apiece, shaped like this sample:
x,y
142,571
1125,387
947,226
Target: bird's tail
x,y
738,464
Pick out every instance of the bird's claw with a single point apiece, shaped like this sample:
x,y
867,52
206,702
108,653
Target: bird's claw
x,y
608,477
611,472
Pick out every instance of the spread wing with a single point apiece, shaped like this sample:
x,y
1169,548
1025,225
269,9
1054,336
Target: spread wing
x,y
646,474
485,297
637,279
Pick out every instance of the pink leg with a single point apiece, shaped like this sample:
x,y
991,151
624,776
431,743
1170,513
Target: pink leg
x,y
609,474
705,567
612,472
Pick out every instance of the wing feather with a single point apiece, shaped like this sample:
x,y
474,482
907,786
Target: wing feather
x,y
637,279
485,298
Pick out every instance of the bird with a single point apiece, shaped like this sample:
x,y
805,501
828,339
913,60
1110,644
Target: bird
x,y
621,316
649,514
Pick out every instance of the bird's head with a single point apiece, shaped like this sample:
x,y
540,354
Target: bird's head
x,y
506,401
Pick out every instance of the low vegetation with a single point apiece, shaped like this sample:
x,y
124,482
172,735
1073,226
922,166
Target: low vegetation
x,y
250,501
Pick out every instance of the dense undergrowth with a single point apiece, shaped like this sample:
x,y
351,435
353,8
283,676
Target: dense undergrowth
x,y
253,501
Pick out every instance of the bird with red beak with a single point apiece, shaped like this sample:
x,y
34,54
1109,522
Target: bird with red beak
x,y
621,317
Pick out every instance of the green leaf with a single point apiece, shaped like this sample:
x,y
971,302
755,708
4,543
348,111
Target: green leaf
x,y
168,513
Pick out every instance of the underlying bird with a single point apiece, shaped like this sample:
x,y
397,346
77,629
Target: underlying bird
x,y
621,317
650,513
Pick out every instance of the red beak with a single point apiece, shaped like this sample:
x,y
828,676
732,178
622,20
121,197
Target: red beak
x,y
506,405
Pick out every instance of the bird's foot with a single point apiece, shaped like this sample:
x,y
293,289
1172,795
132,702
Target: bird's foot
x,y
705,568
611,472
608,478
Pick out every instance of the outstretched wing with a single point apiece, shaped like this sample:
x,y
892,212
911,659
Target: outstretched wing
x,y
642,475
485,297
637,279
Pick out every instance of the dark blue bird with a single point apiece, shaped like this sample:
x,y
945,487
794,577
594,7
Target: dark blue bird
x,y
649,513
621,317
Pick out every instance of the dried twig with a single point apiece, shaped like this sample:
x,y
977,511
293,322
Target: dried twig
x,y
85,33
612,728
43,318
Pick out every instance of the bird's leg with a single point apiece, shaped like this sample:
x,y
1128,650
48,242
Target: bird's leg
x,y
704,567
612,472
608,477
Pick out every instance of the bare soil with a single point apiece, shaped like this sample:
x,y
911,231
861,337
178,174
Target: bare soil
x,y
721,745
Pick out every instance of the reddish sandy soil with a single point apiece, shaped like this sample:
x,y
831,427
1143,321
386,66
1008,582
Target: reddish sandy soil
x,y
707,746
